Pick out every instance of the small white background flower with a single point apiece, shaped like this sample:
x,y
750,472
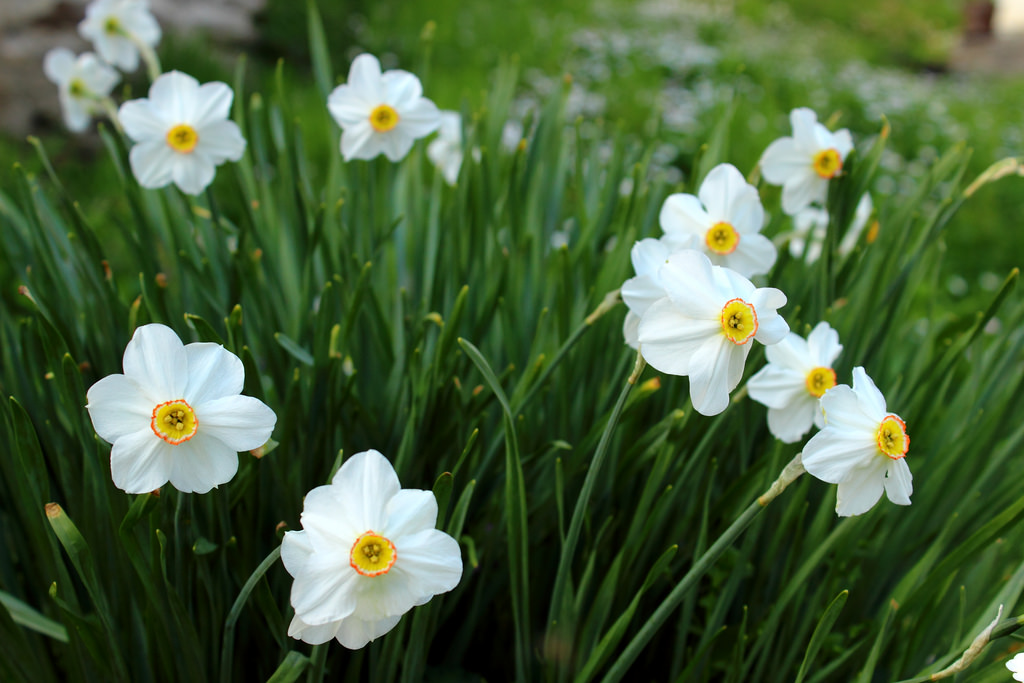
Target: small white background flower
x,y
798,373
862,448
367,553
445,151
1016,666
704,327
810,225
804,163
82,82
182,132
116,28
176,414
723,222
381,113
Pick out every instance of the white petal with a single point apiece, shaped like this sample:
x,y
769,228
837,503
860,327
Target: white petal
x,y
240,422
419,118
141,24
152,163
690,281
155,358
396,144
410,511
58,65
365,78
784,160
754,255
648,255
631,329
334,522
683,214
76,115
777,386
804,121
709,374
314,635
213,372
898,482
202,463
845,409
355,633
140,462
212,104
871,398
668,338
432,561
175,94
723,188
791,352
192,173
325,590
99,77
401,88
832,454
771,327
364,483
360,142
640,292
118,407
789,424
861,490
842,142
823,345
142,122
347,107
801,190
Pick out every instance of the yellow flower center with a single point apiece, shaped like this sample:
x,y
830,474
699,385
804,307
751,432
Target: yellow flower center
x,y
174,421
892,438
820,380
383,118
112,26
77,88
827,163
722,238
372,555
182,138
739,321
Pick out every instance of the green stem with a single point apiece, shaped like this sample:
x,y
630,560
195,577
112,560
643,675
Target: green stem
x,y
789,473
149,57
236,610
582,503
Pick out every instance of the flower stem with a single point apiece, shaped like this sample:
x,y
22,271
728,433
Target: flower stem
x,y
149,57
110,109
789,473
228,644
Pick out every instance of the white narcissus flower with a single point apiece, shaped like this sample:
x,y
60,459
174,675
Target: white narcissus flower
x,y
639,292
83,83
367,553
804,163
1016,666
381,113
182,132
704,326
117,29
798,373
862,448
445,151
723,221
176,414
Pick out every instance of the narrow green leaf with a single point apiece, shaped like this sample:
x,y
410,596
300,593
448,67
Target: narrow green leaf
x,y
821,631
291,668
28,617
294,350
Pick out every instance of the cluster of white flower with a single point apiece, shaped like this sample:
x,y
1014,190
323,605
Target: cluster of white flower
x,y
693,312
182,131
368,551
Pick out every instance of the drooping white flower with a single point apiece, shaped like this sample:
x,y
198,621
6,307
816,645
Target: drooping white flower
x,y
862,448
446,149
704,327
176,414
811,223
1016,666
381,113
118,28
804,163
724,222
798,373
367,553
639,292
83,83
182,132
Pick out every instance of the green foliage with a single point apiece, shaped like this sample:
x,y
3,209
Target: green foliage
x,y
465,332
